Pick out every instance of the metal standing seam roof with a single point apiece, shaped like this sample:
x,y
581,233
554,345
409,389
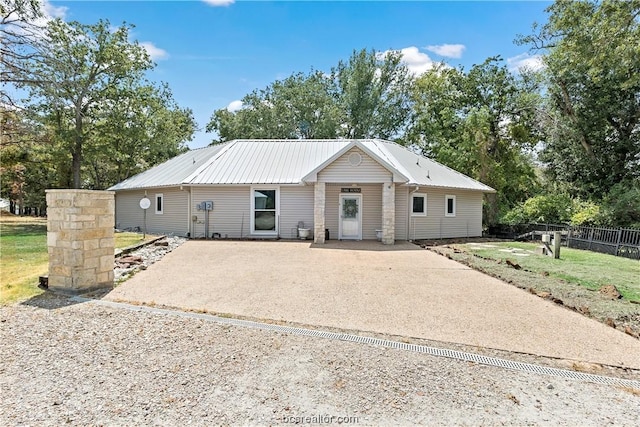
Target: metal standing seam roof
x,y
254,161
172,172
427,172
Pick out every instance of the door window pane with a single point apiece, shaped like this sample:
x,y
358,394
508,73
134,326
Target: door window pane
x,y
265,220
265,199
264,210
349,208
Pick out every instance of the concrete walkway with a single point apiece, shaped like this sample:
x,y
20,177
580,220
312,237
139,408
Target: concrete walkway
x,y
400,290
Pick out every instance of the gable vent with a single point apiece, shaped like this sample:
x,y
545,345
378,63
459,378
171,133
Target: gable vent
x,y
355,159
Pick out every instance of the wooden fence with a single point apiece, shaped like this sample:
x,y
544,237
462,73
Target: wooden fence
x,y
624,242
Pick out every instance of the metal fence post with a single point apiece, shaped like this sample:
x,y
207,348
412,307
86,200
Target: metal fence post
x,y
618,241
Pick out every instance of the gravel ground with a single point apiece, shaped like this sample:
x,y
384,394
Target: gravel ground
x,y
83,364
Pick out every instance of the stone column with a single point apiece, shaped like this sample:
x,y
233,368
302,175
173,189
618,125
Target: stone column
x,y
318,212
80,240
388,213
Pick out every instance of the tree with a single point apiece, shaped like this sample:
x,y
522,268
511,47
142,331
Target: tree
x,y
374,93
18,33
481,123
591,50
365,97
144,129
300,106
23,170
85,70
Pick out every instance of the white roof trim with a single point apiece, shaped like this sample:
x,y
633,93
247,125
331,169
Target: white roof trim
x,y
293,162
397,175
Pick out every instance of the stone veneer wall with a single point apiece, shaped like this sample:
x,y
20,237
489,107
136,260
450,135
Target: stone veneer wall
x,y
80,227
319,200
388,213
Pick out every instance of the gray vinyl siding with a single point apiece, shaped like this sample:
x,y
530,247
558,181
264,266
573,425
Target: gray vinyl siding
x,y
466,223
231,211
129,215
402,206
231,214
368,171
296,204
174,217
371,209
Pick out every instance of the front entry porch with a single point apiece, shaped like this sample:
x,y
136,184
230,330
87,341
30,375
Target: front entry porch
x,y
354,211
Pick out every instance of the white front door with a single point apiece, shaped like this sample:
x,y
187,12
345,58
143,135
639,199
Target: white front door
x,y
350,217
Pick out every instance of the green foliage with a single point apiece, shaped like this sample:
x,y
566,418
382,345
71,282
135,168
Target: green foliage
x,y
621,207
586,213
480,123
23,174
144,129
374,92
17,36
92,119
83,71
300,106
554,208
591,50
366,97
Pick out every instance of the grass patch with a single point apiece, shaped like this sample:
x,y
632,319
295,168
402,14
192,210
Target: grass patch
x,y
23,251
591,270
127,239
24,257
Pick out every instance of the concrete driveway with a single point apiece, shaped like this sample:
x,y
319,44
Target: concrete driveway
x,y
400,290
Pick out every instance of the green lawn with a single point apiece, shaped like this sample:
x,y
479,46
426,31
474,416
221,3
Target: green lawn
x,y
23,255
589,269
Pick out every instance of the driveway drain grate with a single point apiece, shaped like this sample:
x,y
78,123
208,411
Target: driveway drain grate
x,y
433,351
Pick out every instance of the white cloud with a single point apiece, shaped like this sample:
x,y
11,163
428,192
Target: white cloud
x,y
35,27
154,52
525,61
447,50
52,12
417,62
234,106
219,2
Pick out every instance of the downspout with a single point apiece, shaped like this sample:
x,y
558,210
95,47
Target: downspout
x,y
411,228
189,213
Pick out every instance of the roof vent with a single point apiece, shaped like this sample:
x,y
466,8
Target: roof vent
x,y
355,159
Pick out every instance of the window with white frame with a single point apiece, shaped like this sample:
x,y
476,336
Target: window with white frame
x,y
264,207
159,204
418,204
449,205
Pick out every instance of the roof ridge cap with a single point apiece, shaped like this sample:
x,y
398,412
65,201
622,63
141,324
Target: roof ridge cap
x,y
209,162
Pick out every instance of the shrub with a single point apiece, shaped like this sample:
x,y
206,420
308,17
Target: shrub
x,y
586,213
622,205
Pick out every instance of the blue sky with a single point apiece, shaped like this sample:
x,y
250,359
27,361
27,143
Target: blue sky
x,y
214,52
